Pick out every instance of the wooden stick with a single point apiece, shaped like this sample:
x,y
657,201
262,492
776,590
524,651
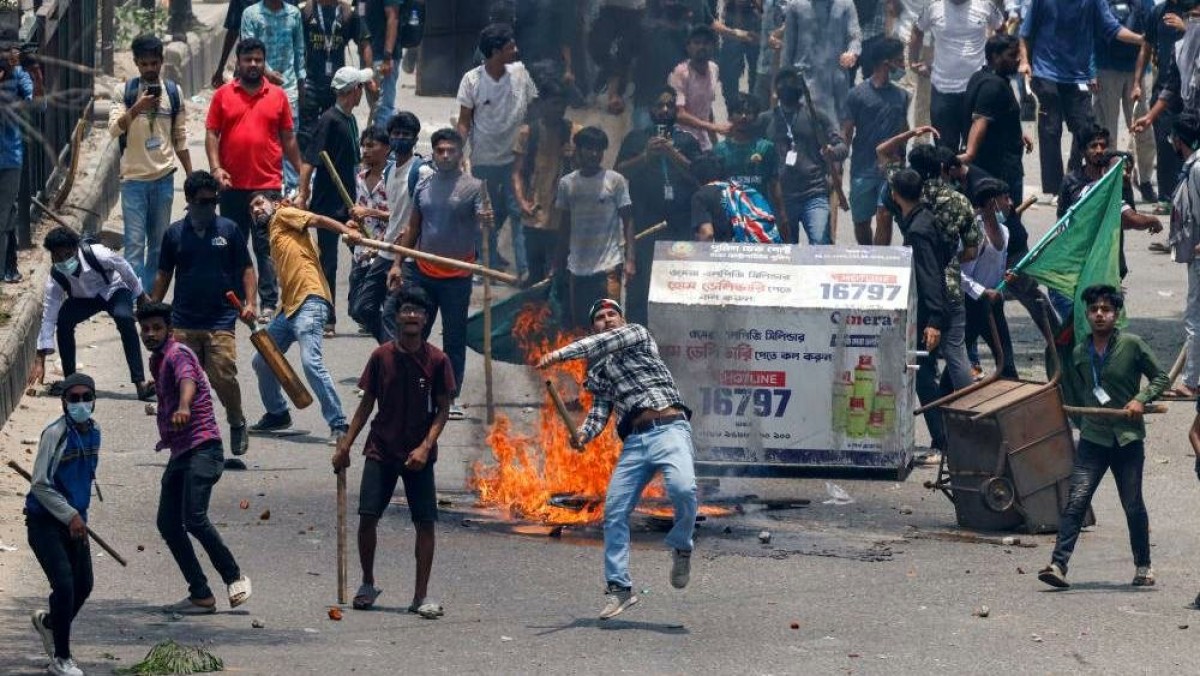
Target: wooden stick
x,y
562,412
341,536
485,252
91,533
337,180
1180,362
1024,206
434,258
1110,412
652,230
834,207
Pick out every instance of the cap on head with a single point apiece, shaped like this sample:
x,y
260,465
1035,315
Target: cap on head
x,y
604,304
76,379
348,76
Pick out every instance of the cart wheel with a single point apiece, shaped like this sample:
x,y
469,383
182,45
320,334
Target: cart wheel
x,y
998,493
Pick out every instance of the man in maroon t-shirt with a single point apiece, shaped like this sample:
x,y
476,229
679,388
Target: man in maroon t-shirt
x,y
413,383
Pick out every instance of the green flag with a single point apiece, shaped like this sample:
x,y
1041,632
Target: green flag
x,y
1083,248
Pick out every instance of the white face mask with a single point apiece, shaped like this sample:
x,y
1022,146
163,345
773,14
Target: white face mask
x,y
80,412
69,266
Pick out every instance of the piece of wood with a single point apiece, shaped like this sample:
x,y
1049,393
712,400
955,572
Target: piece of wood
x,y
561,408
91,533
341,536
337,180
1180,362
1110,412
274,359
434,258
487,213
834,207
1024,206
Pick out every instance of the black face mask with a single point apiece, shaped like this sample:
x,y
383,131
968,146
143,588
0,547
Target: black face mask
x,y
789,94
403,146
203,213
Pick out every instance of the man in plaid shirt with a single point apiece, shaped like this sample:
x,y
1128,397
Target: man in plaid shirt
x,y
626,373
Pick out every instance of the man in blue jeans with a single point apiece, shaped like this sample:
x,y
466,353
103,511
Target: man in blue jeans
x,y
305,307
1105,370
625,373
150,121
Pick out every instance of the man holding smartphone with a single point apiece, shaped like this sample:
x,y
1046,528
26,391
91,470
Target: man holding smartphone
x,y
150,121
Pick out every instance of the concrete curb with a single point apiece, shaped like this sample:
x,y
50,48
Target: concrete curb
x,y
191,64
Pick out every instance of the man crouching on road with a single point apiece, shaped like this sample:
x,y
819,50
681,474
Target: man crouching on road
x,y
413,383
625,372
187,427
1105,370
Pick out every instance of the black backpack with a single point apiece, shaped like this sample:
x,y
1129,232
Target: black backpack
x,y
131,94
90,256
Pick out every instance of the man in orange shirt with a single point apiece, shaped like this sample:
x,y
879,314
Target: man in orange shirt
x,y
250,129
446,219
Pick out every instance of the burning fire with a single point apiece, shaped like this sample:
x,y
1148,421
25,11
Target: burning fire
x,y
531,468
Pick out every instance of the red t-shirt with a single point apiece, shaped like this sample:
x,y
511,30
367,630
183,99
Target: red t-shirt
x,y
249,125
406,387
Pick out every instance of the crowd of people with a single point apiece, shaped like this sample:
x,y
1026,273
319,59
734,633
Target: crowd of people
x,y
743,114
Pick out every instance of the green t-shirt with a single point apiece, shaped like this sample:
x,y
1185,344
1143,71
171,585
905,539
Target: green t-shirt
x,y
752,165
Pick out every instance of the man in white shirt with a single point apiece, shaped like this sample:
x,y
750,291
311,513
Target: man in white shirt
x,y
86,279
982,274
960,29
493,99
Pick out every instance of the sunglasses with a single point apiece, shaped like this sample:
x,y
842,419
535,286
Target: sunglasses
x,y
207,202
77,398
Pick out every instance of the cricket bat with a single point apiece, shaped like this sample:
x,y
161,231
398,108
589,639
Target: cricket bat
x,y
262,341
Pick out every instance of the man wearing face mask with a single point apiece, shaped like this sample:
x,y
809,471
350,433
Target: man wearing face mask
x,y
86,279
208,255
56,516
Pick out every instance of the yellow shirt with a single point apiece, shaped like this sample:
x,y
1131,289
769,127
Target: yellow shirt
x,y
297,262
152,138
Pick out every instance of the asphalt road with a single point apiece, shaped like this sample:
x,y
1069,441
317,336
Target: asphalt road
x,y
871,587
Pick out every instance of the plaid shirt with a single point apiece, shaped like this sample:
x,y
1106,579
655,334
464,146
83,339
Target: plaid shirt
x,y
625,372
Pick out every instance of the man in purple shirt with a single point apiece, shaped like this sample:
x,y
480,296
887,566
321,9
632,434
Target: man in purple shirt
x,y
188,427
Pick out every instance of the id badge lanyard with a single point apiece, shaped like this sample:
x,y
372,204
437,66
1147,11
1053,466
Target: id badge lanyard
x,y
791,157
1097,363
328,35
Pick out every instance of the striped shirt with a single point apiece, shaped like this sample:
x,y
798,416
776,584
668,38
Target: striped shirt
x,y
171,365
625,373
283,34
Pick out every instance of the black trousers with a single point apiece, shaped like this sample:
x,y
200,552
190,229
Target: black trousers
x,y
120,307
540,245
1168,165
235,205
947,114
978,327
368,292
68,566
329,244
1059,103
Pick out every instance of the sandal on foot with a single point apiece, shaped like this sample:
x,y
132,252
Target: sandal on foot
x,y
188,606
365,597
145,391
456,412
428,610
239,591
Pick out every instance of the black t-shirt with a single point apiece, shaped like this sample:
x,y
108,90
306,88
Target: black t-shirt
x,y
1162,39
797,131
743,14
205,265
991,96
664,46
327,31
336,134
707,207
648,181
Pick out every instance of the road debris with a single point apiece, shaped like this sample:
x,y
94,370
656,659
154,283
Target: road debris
x,y
905,509
335,613
169,657
837,495
265,515
795,625
982,611
257,623
765,537
244,504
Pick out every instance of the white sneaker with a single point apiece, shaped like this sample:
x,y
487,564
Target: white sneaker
x,y
64,666
39,623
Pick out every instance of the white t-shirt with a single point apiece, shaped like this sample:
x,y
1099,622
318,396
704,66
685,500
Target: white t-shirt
x,y
499,109
959,35
592,204
400,203
987,269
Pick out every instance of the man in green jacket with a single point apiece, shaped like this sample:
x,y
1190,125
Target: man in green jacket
x,y
1105,370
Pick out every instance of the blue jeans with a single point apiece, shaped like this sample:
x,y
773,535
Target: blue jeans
x,y
291,175
667,448
146,210
813,214
385,109
452,298
504,203
306,325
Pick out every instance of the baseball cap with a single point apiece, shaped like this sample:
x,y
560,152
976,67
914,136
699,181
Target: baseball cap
x,y
78,379
604,304
347,76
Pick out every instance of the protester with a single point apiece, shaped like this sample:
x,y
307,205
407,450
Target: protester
x,y
724,210
821,41
1116,81
738,27
187,428
748,158
547,32
932,254
413,383
806,143
614,39
1105,370
383,21
668,21
770,40
151,123
959,29
1185,238
447,216
656,161
250,128
915,82
1164,27
281,29
543,153
981,276
371,215
1058,40
86,279
876,110
329,26
696,80
337,136
595,245
305,308
627,377
994,140
16,86
233,29
56,516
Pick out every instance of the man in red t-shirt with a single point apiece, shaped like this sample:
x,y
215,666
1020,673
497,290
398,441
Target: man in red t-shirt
x,y
250,130
413,383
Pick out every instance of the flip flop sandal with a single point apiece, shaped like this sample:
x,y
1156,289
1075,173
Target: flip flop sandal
x,y
456,413
365,597
429,610
1159,247
239,591
189,607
